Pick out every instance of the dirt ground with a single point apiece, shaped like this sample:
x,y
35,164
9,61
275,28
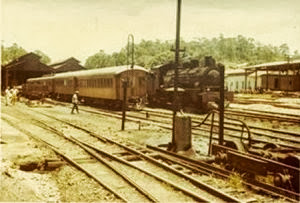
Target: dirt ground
x,y
64,183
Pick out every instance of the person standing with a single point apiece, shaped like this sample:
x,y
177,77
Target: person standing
x,y
14,95
75,102
7,96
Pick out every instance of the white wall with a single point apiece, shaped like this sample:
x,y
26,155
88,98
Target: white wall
x,y
236,82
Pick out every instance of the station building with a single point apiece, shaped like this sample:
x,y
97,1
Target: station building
x,y
70,64
17,71
276,76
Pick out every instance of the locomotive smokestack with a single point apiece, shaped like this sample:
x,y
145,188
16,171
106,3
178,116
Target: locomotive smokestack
x,y
209,61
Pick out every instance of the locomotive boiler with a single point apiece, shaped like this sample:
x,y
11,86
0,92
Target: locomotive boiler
x,y
198,84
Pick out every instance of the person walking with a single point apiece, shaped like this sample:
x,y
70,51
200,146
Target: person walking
x,y
7,96
75,102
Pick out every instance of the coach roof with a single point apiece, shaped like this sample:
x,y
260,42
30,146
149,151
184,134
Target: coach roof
x,y
115,70
41,78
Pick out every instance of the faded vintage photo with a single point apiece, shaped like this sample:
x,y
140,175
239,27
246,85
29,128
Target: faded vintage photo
x,y
150,101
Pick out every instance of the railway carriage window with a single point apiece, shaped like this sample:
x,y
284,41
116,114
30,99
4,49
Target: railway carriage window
x,y
65,82
69,83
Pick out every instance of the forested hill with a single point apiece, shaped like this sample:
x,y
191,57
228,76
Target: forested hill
x,y
229,51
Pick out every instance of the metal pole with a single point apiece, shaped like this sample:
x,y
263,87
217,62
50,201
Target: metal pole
x,y
177,50
211,133
221,107
125,82
130,37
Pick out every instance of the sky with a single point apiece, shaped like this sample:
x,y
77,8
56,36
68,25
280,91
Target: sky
x,y
80,28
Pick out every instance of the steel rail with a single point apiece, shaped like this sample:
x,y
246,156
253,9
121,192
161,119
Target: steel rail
x,y
174,185
190,193
137,119
252,132
196,120
196,182
67,158
103,161
261,116
269,112
209,169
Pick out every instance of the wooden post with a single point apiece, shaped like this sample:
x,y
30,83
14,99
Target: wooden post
x,y
279,79
245,87
267,82
255,79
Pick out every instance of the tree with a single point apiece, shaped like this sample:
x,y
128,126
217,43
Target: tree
x,y
229,51
11,53
44,58
99,60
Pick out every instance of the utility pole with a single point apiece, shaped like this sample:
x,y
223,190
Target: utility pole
x,y
221,106
177,50
125,82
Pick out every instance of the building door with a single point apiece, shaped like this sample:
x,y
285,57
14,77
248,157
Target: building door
x,y
276,83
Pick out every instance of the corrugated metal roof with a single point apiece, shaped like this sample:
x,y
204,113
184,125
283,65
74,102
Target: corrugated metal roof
x,y
276,63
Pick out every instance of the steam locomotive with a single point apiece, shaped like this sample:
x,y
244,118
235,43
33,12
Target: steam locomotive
x,y
198,84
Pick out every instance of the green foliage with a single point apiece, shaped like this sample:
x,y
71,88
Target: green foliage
x,y
44,58
11,53
229,51
100,60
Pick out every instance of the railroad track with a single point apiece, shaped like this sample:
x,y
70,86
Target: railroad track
x,y
264,116
266,101
261,111
232,126
189,186
188,166
232,129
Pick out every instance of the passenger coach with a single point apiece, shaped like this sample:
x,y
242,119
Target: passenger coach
x,y
101,86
